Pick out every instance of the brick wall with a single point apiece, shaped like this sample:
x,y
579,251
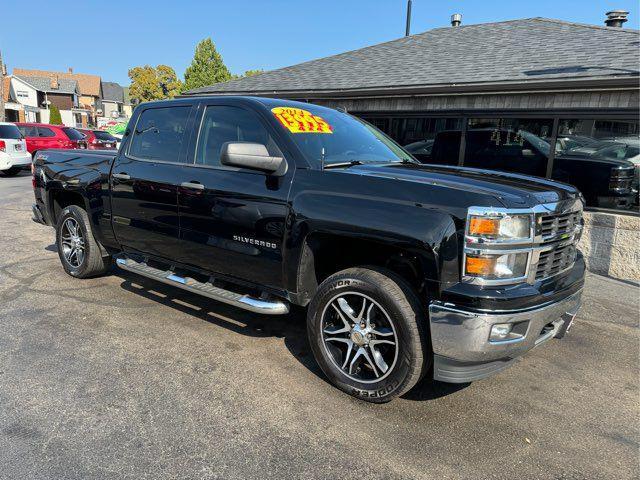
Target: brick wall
x,y
611,245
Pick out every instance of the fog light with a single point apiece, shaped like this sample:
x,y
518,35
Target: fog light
x,y
500,331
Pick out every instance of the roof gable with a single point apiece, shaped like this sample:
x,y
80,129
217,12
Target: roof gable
x,y
112,92
520,51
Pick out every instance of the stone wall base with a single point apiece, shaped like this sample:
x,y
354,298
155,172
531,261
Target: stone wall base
x,y
611,245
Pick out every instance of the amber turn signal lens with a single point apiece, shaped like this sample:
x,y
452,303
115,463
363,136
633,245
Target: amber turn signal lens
x,y
481,266
484,226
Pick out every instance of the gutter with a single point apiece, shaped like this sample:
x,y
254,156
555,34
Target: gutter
x,y
534,86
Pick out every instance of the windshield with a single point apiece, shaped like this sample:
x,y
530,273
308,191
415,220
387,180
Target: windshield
x,y
538,143
73,134
335,137
104,136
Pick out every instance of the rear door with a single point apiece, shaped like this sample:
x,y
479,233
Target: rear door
x,y
232,220
47,139
145,179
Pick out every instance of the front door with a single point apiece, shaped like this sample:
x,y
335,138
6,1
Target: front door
x,y
232,220
145,178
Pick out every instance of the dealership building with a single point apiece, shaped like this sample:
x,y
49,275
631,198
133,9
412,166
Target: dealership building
x,y
441,92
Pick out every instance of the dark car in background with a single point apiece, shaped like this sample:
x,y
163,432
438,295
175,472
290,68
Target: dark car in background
x,y
42,136
98,139
606,181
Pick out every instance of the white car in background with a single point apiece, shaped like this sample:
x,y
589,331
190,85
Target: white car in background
x,y
13,150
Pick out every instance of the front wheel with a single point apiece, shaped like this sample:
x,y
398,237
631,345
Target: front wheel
x,y
366,327
78,250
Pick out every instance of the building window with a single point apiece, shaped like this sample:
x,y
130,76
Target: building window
x,y
602,159
22,94
509,144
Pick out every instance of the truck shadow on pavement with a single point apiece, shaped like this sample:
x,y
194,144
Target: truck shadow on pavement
x,y
291,328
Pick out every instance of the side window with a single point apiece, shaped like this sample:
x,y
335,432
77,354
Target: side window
x,y
160,134
28,131
45,132
221,124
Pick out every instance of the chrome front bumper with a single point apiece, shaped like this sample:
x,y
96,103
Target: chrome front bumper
x,y
460,338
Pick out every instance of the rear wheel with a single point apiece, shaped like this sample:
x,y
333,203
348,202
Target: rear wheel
x,y
367,331
11,172
78,250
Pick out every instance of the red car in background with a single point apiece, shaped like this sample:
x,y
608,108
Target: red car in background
x,y
98,139
42,136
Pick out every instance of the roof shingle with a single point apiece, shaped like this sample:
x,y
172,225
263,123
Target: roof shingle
x,y
88,84
43,84
517,51
112,92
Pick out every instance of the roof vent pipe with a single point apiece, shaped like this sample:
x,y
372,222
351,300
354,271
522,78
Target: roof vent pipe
x,y
456,20
615,18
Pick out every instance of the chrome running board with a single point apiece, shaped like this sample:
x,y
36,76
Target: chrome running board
x,y
267,306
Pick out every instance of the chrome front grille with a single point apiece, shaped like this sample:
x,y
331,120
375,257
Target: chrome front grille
x,y
555,260
559,225
557,235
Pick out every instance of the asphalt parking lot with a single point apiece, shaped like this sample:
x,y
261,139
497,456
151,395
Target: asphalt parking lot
x,y
121,377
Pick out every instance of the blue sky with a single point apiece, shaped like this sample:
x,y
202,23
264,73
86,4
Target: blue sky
x,y
108,37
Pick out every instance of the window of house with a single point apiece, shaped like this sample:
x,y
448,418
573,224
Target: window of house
x,y
221,124
508,144
602,159
22,93
160,134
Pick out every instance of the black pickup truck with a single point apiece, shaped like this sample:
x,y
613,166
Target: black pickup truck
x,y
405,269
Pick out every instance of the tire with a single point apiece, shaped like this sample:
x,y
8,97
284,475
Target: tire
x,y
11,172
91,262
347,296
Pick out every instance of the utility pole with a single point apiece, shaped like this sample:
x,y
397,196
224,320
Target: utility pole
x,y
2,117
408,30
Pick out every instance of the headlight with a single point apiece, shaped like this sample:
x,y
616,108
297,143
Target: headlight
x,y
499,227
496,266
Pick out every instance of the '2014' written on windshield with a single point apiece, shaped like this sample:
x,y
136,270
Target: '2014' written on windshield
x,y
297,120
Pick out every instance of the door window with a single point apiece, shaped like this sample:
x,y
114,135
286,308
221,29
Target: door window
x,y
28,130
160,134
222,124
45,132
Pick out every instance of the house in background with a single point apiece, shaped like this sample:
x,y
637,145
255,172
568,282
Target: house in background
x,y
127,108
112,100
89,90
30,99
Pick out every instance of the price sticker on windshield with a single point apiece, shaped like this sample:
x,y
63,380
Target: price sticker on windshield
x,y
297,120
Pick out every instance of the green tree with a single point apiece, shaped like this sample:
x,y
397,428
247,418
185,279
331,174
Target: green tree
x,y
206,68
251,73
54,115
168,81
149,83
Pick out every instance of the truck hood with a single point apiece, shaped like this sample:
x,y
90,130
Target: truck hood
x,y
512,190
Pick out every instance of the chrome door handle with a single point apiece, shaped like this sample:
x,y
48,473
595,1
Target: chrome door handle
x,y
121,176
192,185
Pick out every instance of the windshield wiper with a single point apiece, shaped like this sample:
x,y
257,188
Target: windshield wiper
x,y
352,163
